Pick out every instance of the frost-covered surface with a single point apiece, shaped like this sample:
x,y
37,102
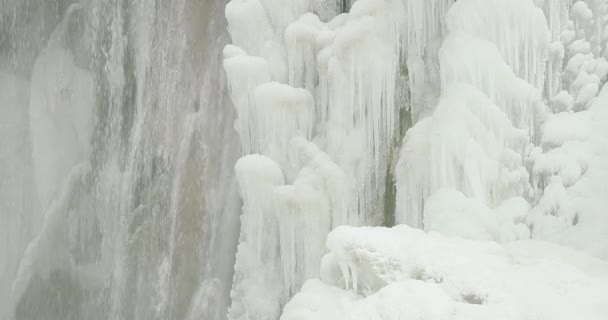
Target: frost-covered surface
x,y
403,273
468,144
483,113
572,208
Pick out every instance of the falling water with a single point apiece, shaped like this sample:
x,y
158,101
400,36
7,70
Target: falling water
x,y
117,192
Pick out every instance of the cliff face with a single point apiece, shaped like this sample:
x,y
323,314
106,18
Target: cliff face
x,y
127,205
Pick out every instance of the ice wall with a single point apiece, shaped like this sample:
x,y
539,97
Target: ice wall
x,y
506,66
468,144
322,100
485,159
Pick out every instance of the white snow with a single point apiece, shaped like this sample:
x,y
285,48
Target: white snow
x,y
405,273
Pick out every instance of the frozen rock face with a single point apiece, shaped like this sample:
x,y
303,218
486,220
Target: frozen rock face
x,y
61,104
15,179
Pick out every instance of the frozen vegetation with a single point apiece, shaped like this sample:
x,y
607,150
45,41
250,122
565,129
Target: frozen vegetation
x,y
304,159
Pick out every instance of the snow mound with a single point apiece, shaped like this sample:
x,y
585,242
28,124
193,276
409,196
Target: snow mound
x,y
403,273
449,212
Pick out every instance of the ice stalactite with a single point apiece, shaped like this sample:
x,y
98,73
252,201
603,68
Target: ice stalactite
x,y
378,39
248,25
257,289
517,28
465,166
295,218
471,60
248,72
317,201
319,99
557,14
356,94
494,51
488,168
478,52
421,29
283,112
373,39
333,180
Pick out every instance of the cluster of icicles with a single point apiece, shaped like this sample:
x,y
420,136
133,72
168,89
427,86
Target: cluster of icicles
x,y
320,110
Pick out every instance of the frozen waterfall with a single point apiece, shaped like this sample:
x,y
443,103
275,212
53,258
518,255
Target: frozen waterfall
x,y
303,159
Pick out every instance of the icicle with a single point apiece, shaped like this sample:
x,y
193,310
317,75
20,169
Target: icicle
x,y
466,59
244,74
257,269
516,27
281,113
356,93
354,272
248,25
317,201
338,187
434,157
345,273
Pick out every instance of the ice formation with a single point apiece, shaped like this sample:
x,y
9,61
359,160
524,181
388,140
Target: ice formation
x,y
486,158
570,210
258,295
468,144
473,131
517,28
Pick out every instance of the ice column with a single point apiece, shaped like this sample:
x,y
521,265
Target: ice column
x,y
257,289
468,144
